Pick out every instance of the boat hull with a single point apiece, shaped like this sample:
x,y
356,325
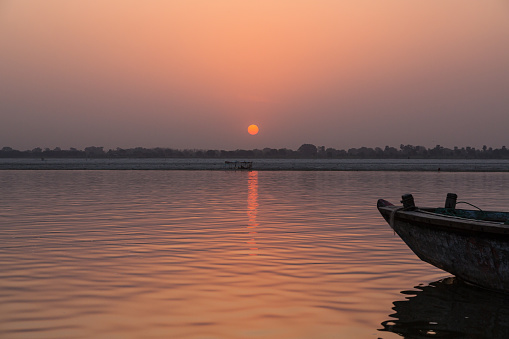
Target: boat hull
x,y
476,252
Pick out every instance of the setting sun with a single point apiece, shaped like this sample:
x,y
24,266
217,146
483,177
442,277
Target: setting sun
x,y
252,129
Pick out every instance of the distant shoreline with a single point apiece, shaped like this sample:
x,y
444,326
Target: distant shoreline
x,y
305,151
428,165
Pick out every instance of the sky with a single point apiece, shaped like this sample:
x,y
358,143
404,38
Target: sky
x,y
194,74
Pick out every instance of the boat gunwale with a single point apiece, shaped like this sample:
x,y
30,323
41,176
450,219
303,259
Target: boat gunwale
x,y
426,218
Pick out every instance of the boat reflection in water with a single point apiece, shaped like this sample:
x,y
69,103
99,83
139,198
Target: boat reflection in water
x,y
450,309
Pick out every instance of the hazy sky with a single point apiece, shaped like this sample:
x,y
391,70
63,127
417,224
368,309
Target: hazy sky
x,y
197,73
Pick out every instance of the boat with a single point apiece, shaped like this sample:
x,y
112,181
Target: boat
x,y
239,165
471,244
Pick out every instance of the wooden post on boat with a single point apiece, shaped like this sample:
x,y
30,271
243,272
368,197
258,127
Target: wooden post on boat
x,y
408,201
450,201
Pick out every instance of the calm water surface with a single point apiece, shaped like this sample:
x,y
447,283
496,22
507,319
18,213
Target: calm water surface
x,y
213,254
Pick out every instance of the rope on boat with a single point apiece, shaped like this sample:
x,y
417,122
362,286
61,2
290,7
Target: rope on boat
x,y
464,202
393,214
460,213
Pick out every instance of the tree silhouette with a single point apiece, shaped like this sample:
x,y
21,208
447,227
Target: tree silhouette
x,y
308,150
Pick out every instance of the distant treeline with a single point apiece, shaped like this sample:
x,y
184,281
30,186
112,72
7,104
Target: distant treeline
x,y
307,151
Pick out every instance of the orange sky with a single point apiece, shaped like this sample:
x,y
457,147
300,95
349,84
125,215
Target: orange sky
x,y
196,73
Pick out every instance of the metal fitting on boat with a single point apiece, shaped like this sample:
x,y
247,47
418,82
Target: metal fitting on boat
x,y
408,201
450,201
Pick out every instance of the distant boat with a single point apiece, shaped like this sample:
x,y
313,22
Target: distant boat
x,y
471,244
239,165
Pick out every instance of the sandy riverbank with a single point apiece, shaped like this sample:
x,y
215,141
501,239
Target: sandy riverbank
x,y
261,164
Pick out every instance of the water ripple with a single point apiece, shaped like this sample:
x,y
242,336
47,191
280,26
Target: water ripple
x,y
187,254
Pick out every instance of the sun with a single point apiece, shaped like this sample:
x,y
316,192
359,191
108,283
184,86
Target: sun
x,y
252,129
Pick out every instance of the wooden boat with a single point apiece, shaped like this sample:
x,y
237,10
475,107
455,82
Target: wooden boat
x,y
239,165
471,244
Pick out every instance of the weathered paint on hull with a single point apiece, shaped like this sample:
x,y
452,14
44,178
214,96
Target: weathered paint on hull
x,y
483,261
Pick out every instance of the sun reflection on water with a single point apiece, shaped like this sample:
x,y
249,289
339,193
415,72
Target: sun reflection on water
x,y
252,210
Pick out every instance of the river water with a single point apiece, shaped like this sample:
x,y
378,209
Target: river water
x,y
231,254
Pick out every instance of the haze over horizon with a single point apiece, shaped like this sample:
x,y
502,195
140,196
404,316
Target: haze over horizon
x,y
195,74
